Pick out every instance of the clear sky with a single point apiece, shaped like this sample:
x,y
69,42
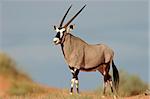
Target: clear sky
x,y
26,33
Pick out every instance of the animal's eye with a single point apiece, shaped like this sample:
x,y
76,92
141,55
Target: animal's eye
x,y
64,31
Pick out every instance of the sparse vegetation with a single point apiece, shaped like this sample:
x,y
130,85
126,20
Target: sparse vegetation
x,y
22,86
131,85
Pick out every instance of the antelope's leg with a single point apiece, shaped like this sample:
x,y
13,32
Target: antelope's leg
x,y
76,72
72,84
75,80
77,84
108,80
111,86
105,85
102,70
72,80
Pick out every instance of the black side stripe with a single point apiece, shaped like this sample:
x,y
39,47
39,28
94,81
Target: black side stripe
x,y
62,47
89,69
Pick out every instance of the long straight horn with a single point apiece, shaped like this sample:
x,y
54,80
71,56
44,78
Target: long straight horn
x,y
74,17
64,16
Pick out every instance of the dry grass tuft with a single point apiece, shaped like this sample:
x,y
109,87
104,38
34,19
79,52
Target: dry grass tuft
x,y
131,85
21,85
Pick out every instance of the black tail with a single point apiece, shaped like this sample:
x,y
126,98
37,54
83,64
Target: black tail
x,y
115,76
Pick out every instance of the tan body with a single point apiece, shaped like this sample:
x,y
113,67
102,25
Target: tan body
x,y
82,55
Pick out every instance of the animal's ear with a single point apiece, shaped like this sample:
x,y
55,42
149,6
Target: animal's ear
x,y
56,28
70,28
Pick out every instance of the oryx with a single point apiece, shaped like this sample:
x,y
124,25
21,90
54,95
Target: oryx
x,y
81,56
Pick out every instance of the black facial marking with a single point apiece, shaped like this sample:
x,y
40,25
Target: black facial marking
x,y
58,35
60,28
62,47
64,31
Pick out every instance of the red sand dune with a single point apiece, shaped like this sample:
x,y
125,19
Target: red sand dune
x,y
4,86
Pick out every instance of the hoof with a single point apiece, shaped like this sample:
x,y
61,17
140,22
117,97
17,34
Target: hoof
x,y
70,93
115,97
103,96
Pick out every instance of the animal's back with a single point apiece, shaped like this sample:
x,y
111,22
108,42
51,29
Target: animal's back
x,y
86,55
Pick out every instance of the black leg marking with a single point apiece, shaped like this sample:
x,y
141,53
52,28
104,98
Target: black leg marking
x,y
108,80
111,85
72,85
75,80
105,85
77,85
71,91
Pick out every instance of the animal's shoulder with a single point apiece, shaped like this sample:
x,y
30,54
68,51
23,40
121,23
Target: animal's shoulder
x,y
77,39
102,45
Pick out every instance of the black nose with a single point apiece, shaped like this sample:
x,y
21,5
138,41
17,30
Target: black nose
x,y
55,41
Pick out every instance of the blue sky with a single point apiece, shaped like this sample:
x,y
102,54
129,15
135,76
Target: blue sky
x,y
27,32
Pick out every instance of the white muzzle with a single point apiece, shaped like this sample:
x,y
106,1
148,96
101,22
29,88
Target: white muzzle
x,y
56,40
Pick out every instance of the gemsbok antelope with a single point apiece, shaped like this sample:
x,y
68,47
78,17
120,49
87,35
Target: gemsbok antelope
x,y
81,56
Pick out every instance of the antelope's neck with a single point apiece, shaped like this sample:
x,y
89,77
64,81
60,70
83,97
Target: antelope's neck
x,y
66,46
